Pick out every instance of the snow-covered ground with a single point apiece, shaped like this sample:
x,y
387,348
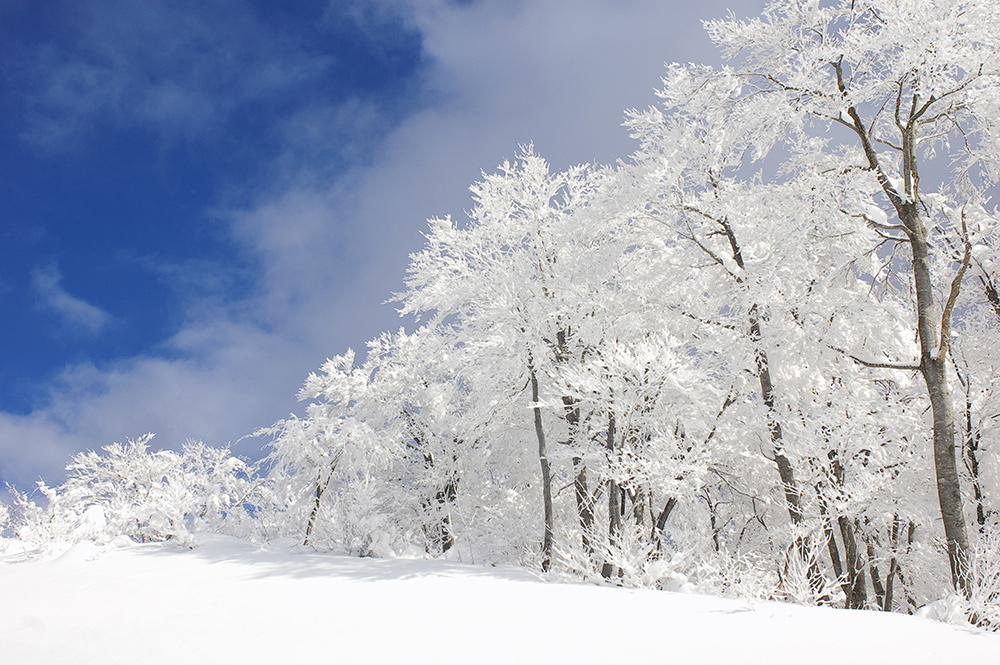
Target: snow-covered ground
x,y
228,602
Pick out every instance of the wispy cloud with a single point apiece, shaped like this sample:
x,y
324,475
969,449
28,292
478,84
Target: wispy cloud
x,y
178,68
78,315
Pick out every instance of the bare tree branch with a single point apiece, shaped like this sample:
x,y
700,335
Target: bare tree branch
x,y
876,365
956,285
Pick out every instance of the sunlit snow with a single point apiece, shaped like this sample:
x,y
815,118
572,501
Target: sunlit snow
x,y
227,601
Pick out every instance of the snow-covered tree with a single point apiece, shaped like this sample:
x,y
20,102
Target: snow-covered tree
x,y
863,97
498,278
333,451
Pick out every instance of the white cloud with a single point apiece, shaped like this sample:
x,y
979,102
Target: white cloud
x,y
78,315
555,73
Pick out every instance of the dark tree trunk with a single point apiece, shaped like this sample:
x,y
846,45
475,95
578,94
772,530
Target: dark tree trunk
x,y
661,519
546,473
854,584
972,437
713,520
793,497
321,485
876,578
894,568
608,570
638,497
584,502
852,572
445,497
891,575
889,584
831,541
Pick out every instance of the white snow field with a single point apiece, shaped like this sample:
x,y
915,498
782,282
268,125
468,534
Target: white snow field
x,y
228,602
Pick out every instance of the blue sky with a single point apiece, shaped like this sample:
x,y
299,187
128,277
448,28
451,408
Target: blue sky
x,y
202,200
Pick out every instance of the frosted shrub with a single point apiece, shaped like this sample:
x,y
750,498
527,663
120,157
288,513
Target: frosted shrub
x,y
802,580
984,605
798,579
737,575
635,562
128,490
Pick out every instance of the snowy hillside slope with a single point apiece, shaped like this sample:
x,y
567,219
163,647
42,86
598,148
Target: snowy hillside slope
x,y
226,601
